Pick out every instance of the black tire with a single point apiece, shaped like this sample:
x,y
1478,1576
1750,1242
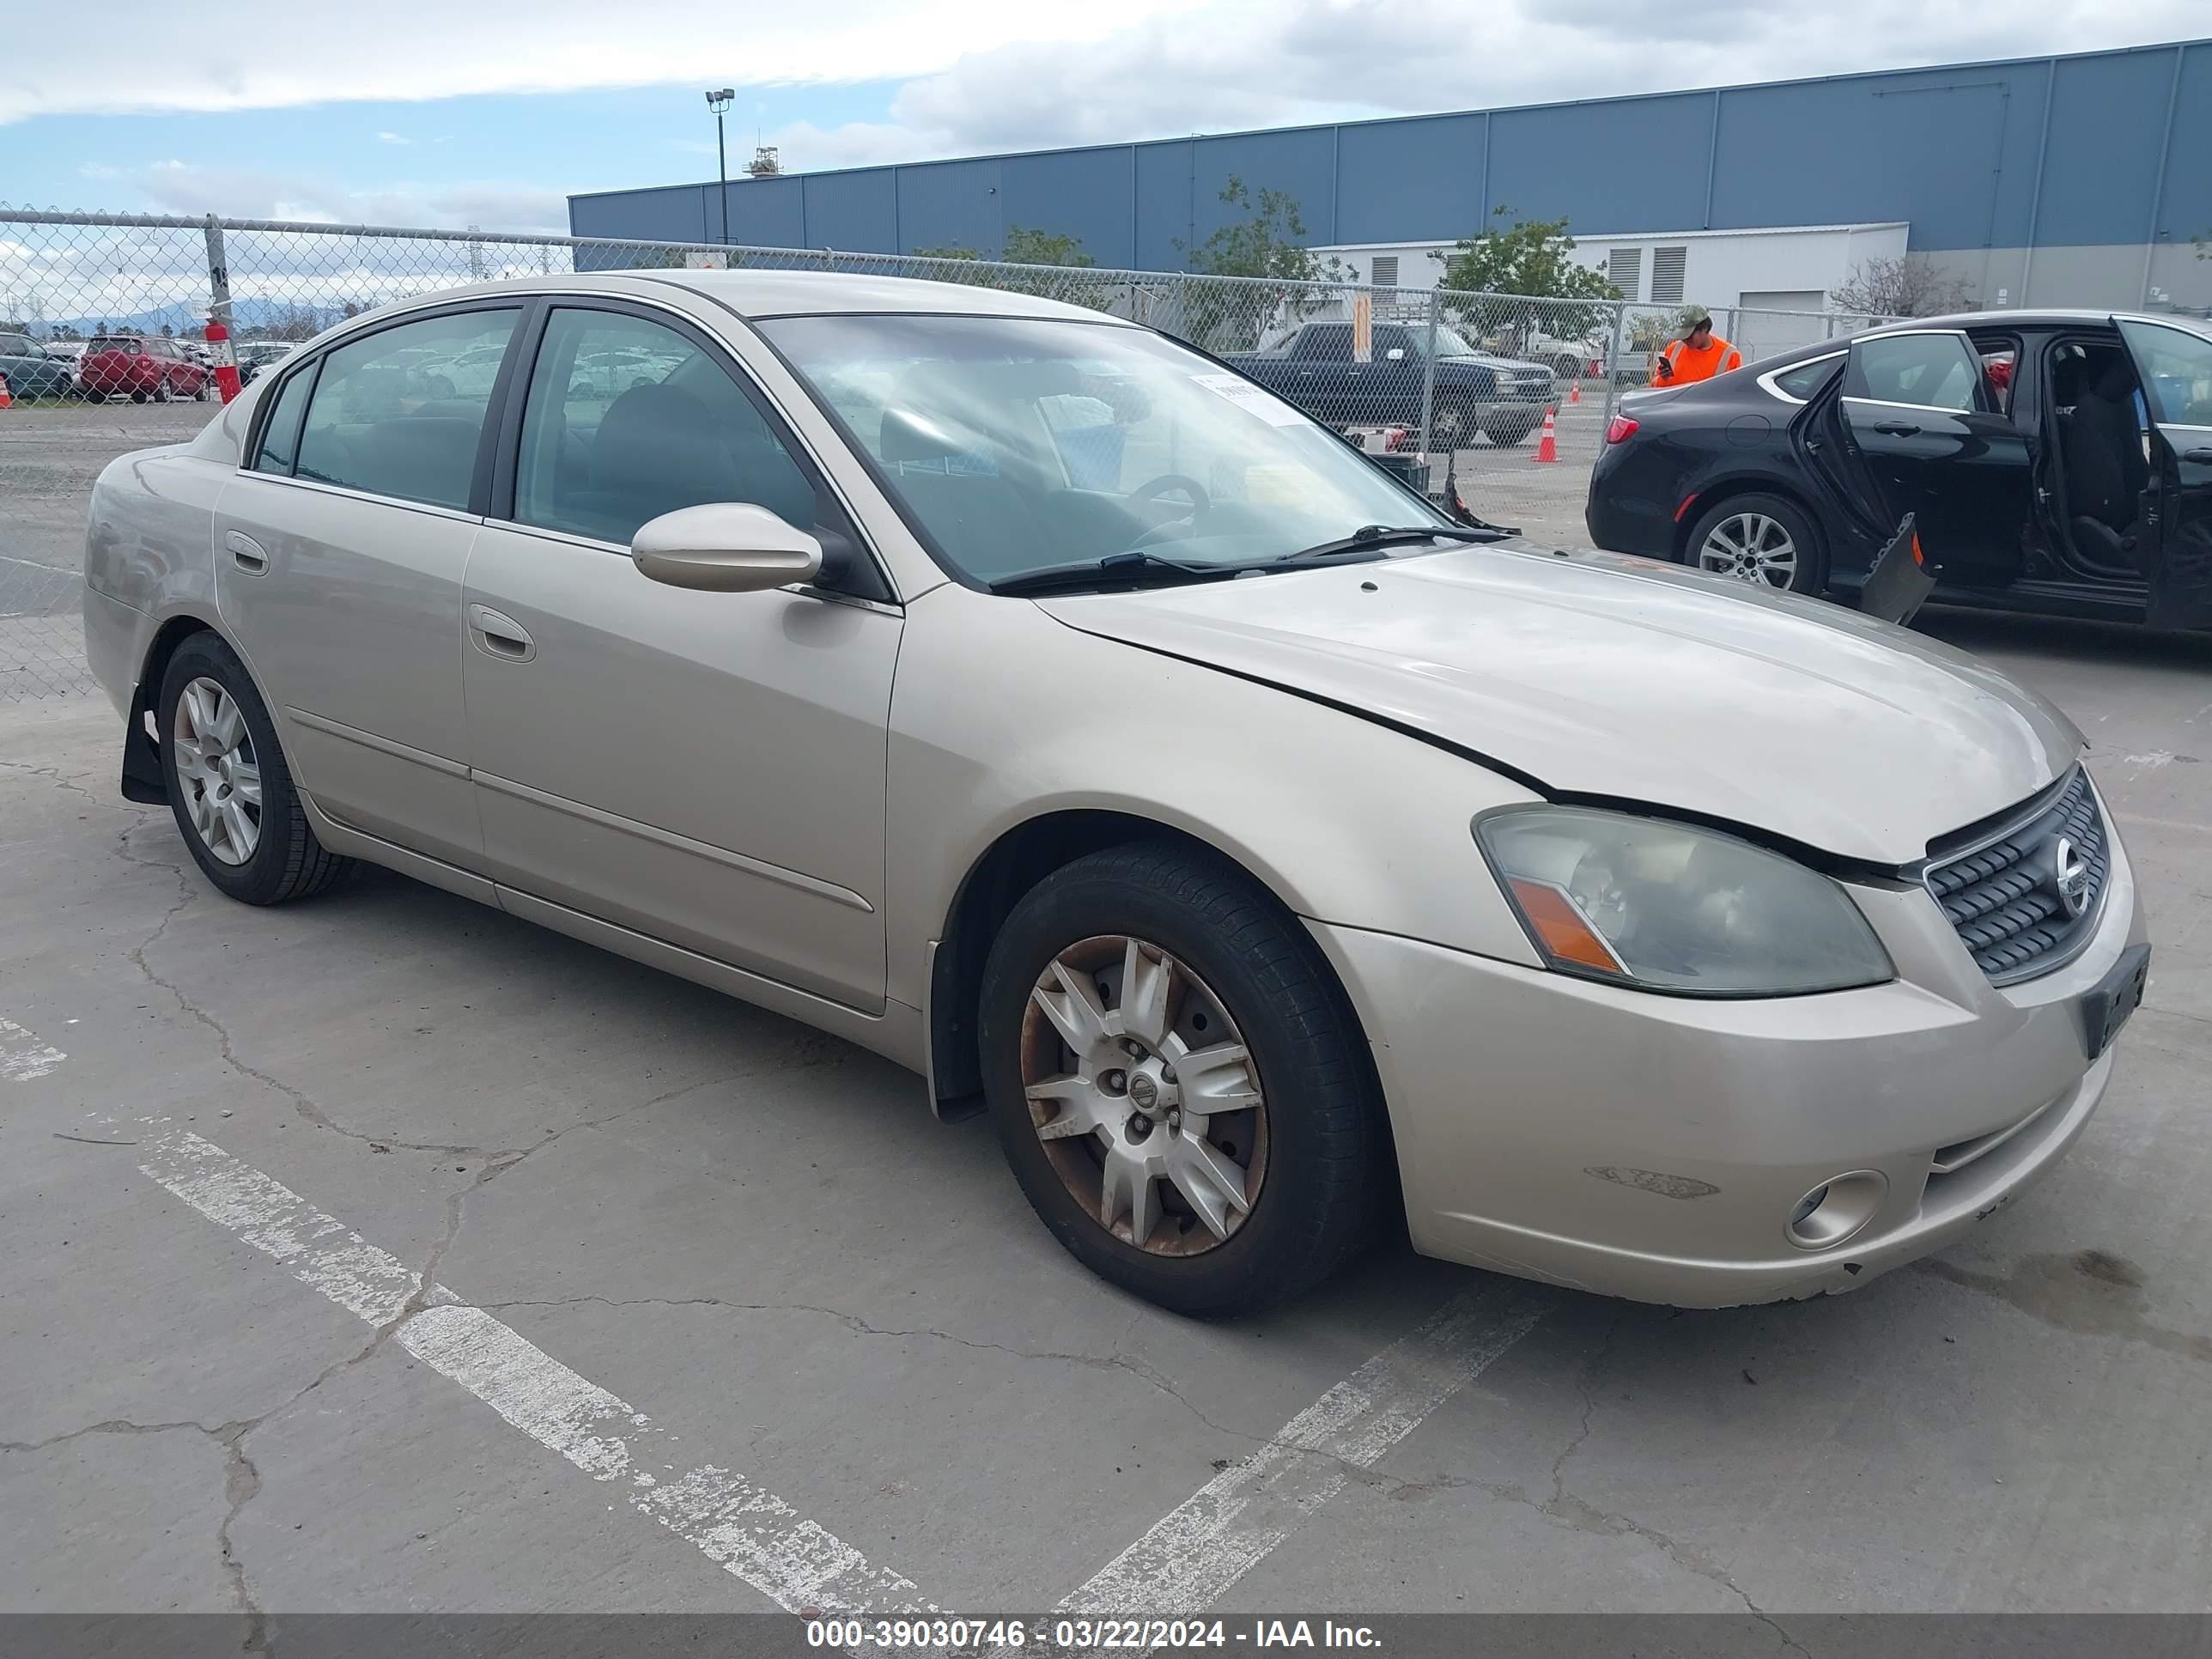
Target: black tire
x,y
1457,419
1506,435
1328,1167
287,862
1811,576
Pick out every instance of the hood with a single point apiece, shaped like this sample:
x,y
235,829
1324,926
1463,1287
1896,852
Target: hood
x,y
1597,674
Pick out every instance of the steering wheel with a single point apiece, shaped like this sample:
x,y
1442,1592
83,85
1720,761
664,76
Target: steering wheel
x,y
1168,481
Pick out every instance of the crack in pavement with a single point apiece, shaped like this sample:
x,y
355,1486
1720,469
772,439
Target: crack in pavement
x,y
189,893
52,775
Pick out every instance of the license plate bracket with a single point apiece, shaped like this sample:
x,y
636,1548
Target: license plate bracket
x,y
2106,1008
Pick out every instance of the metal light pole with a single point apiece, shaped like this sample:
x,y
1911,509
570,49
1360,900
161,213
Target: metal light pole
x,y
719,101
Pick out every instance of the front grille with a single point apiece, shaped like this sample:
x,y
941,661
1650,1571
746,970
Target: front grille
x,y
2005,897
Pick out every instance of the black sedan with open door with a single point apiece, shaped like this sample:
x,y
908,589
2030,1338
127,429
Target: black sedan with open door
x,y
2058,462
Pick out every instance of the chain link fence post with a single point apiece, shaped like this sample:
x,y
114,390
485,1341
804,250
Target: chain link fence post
x,y
1429,376
1615,347
218,271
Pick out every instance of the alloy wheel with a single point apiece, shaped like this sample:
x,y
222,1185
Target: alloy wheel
x,y
1751,547
217,765
1145,1095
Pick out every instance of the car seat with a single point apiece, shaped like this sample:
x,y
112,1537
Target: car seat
x,y
659,449
2101,449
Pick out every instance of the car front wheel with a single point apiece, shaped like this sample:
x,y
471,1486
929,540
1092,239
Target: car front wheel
x,y
229,784
1761,539
1179,1083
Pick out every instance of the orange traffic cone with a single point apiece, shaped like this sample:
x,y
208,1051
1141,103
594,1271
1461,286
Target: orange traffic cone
x,y
1547,446
6,401
1574,392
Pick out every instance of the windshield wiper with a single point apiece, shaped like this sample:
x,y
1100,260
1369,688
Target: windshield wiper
x,y
1112,569
1379,534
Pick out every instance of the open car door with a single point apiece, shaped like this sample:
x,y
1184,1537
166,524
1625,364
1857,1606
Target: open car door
x,y
1927,440
2175,365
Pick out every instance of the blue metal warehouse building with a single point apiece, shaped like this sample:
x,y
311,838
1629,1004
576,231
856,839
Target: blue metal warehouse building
x,y
2075,179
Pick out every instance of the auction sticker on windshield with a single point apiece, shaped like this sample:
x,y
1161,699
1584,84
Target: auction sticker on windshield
x,y
1253,399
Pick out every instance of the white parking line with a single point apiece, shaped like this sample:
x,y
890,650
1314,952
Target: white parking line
x,y
1203,1546
748,1531
23,1056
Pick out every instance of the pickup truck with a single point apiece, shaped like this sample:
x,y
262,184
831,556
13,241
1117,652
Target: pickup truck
x,y
1474,391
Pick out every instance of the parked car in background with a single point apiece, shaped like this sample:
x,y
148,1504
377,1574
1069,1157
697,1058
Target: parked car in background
x,y
72,353
254,356
2054,461
1269,855
32,371
142,368
1318,369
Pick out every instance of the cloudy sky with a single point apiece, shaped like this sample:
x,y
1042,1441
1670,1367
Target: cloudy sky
x,y
452,112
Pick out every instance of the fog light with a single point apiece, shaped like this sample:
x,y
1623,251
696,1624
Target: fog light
x,y
1835,1209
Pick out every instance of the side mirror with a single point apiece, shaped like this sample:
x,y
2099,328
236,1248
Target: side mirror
x,y
724,547
1395,354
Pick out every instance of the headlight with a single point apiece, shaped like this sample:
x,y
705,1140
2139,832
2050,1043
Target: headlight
x,y
1663,906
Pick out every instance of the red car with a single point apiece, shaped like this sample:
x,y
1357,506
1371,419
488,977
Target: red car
x,y
141,368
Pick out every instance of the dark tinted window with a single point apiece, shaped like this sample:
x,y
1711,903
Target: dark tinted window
x,y
628,420
280,433
1329,341
393,413
1807,379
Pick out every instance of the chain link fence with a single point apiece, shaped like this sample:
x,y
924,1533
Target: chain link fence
x,y
1502,399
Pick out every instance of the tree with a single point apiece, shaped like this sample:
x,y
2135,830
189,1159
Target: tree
x,y
1267,243
1909,286
1026,246
946,253
1531,258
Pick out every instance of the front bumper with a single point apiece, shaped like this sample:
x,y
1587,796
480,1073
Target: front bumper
x,y
1656,1148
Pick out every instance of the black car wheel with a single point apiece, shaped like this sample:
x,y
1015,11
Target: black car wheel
x,y
1179,1082
1506,433
1455,420
229,784
1762,539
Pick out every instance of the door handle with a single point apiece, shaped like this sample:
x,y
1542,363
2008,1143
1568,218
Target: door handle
x,y
1895,429
499,635
2202,457
246,553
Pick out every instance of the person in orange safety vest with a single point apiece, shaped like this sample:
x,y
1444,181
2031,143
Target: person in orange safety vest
x,y
1698,356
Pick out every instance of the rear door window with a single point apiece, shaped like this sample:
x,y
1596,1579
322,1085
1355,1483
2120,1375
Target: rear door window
x,y
1929,371
386,418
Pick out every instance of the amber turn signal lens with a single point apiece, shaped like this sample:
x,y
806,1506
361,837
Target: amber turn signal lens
x,y
1560,928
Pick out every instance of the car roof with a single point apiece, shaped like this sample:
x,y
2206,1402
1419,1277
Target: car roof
x,y
761,294
2049,318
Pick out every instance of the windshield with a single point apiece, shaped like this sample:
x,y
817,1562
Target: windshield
x,y
1451,343
1017,445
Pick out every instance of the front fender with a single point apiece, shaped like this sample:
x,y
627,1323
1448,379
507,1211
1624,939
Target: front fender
x,y
1000,715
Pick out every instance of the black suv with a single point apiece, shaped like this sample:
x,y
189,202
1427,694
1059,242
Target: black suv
x,y
2058,462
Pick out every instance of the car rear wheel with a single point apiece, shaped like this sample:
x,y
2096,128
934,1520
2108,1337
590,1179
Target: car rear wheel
x,y
1179,1082
228,785
1761,539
